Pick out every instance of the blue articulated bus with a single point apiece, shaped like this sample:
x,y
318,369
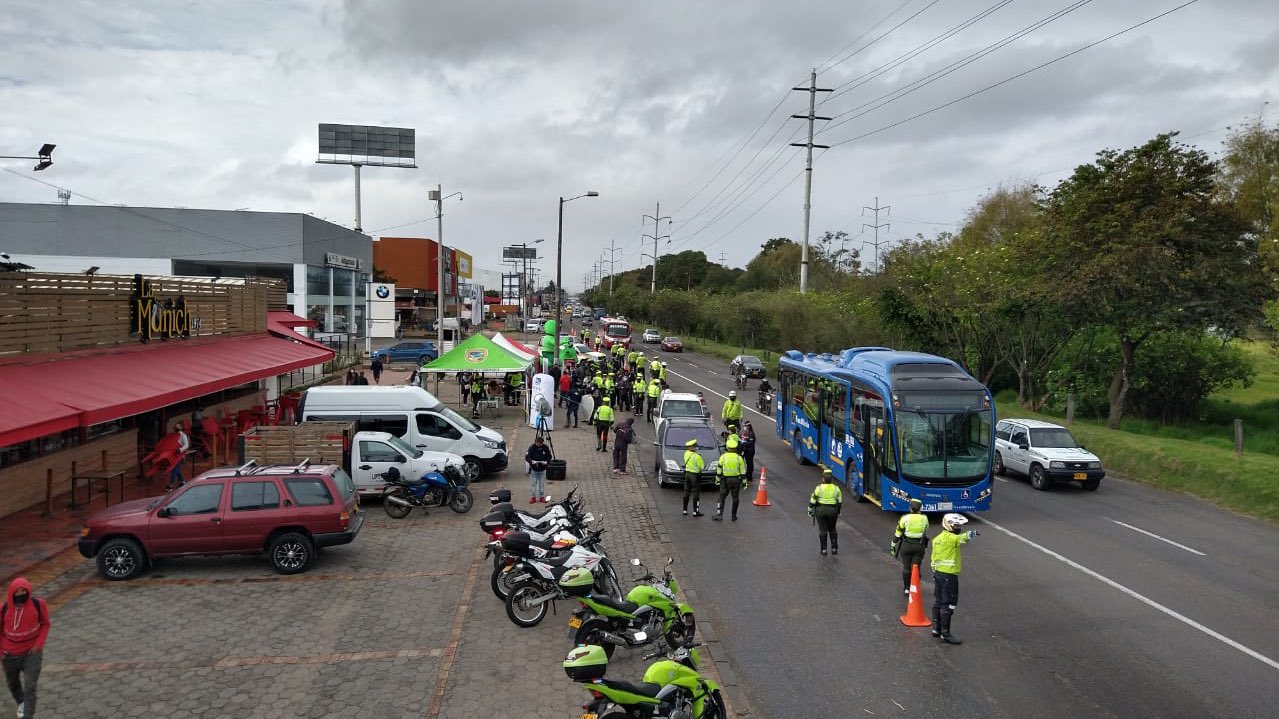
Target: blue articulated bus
x,y
891,425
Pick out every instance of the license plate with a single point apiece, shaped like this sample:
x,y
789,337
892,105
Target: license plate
x,y
944,506
574,622
590,715
1081,475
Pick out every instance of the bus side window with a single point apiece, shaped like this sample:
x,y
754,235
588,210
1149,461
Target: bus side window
x,y
836,414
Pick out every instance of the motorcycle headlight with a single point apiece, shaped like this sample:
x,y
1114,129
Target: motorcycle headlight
x,y
491,444
671,466
1056,465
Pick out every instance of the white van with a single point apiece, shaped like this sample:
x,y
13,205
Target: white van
x,y
412,414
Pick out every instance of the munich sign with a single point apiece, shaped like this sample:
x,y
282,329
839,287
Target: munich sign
x,y
149,317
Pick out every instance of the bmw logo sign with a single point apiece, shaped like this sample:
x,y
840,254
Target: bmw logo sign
x,y
382,291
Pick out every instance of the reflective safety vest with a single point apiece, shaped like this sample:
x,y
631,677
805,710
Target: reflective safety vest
x,y
598,381
827,493
661,372
609,384
693,462
912,526
639,386
630,358
515,380
731,465
655,367
654,389
946,555
604,413
732,410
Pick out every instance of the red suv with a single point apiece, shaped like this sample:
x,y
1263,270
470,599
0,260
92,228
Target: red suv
x,y
285,511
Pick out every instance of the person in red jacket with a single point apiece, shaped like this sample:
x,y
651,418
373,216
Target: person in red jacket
x,y
24,627
566,382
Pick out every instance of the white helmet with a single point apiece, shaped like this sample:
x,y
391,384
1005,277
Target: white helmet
x,y
952,521
664,364
732,394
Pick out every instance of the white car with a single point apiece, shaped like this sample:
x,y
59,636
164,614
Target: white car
x,y
1046,453
534,325
652,336
677,404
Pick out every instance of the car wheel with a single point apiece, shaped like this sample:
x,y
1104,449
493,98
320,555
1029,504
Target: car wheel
x,y
424,359
1092,484
1038,479
473,468
999,463
120,559
291,553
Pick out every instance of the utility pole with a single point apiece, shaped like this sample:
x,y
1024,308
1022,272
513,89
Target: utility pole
x,y
876,209
812,91
439,261
722,259
612,269
657,218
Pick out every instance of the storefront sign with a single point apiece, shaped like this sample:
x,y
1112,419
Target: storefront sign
x,y
333,259
149,317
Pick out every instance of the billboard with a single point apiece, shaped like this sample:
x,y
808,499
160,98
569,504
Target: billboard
x,y
519,253
463,264
367,145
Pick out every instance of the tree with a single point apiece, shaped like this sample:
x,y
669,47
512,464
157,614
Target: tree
x,y
1139,242
1249,178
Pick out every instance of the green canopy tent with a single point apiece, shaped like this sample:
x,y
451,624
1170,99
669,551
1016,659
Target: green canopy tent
x,y
477,354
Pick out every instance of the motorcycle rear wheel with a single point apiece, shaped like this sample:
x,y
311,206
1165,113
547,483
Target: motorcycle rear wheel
x,y
462,501
590,633
683,633
521,614
502,582
393,510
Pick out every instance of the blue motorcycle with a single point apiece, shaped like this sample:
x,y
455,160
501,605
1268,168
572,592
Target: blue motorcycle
x,y
433,489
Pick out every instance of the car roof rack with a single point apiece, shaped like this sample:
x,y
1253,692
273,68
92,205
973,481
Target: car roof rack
x,y
302,465
245,467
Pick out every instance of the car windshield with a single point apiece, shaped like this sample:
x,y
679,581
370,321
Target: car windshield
x,y
677,436
457,419
681,408
752,361
1053,438
943,441
404,447
672,340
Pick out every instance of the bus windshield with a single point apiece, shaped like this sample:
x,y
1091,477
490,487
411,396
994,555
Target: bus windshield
x,y
944,437
618,330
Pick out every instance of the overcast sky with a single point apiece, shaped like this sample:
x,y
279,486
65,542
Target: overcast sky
x,y
215,104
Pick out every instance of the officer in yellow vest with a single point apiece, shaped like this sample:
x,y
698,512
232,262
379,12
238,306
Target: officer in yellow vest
x,y
947,561
730,477
653,368
637,393
693,466
732,412
603,419
909,541
824,507
630,358
610,386
654,390
661,371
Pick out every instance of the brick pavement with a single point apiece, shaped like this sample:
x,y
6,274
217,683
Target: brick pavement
x,y
401,623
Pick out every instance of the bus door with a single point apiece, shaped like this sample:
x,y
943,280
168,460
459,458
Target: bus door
x,y
872,436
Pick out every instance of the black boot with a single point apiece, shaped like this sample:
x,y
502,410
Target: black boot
x,y
936,621
686,505
834,546
945,630
697,509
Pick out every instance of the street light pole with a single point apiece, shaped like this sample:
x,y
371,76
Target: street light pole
x,y
559,273
44,155
438,195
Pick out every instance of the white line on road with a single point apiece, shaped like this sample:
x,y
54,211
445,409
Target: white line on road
x,y
1135,595
1156,536
717,394
1002,479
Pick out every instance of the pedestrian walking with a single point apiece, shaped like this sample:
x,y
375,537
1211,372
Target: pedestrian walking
x,y
602,418
693,466
184,446
623,437
350,376
947,561
909,541
747,439
571,403
538,457
376,367
24,627
730,477
362,379
566,381
824,507
464,386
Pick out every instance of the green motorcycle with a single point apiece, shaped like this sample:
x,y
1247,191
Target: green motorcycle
x,y
649,611
672,688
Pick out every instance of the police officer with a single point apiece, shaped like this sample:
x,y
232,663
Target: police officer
x,y
603,420
732,412
730,477
693,466
747,439
947,561
610,387
654,390
661,372
824,506
909,541
638,388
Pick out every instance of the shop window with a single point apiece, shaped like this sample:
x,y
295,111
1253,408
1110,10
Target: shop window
x,y
101,430
317,282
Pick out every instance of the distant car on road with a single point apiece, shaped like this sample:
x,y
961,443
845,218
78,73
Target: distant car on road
x,y
672,344
534,325
285,512
419,352
668,459
752,365
1046,453
652,336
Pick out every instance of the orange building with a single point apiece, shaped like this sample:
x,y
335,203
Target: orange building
x,y
410,262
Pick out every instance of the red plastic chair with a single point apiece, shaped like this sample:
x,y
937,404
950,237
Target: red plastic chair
x,y
159,462
289,408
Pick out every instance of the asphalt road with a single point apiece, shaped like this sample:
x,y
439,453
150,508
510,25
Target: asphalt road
x,y
1125,602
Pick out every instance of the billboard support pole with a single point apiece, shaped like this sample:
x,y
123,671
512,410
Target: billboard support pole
x,y
358,226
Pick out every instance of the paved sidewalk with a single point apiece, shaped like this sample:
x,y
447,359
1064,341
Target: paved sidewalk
x,y
401,623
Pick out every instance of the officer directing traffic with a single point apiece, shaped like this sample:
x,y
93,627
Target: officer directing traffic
x,y
909,540
947,561
824,506
730,476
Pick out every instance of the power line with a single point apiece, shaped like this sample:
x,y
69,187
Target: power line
x,y
824,66
886,33
1010,78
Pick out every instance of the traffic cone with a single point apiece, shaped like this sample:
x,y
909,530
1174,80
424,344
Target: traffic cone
x,y
761,495
914,616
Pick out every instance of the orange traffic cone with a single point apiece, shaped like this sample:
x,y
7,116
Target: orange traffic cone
x,y
761,495
914,616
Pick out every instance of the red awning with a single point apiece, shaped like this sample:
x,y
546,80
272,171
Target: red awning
x,y
27,417
109,385
281,324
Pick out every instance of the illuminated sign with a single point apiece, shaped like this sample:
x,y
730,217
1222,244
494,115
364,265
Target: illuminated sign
x,y
149,317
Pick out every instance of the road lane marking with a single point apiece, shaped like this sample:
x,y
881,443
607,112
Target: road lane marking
x,y
1002,479
1156,536
1136,595
717,394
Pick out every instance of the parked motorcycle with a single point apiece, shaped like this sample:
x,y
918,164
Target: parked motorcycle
x,y
648,612
541,546
672,687
433,489
543,580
